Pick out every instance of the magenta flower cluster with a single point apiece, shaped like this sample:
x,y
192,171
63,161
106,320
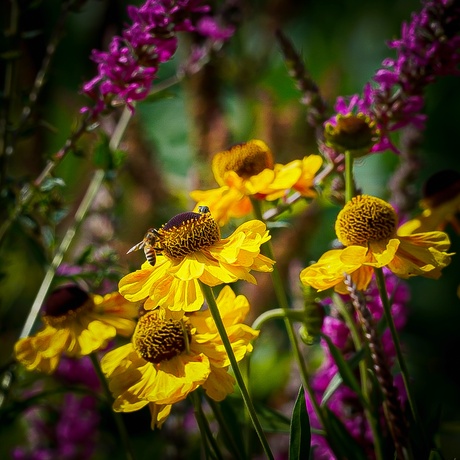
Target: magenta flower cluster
x,y
429,47
53,434
344,403
126,71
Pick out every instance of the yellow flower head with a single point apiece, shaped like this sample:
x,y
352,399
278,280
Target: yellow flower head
x,y
367,227
189,249
247,170
75,324
440,203
169,358
246,160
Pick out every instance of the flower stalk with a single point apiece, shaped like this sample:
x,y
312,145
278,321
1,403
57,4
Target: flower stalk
x,y
209,297
207,438
124,438
284,304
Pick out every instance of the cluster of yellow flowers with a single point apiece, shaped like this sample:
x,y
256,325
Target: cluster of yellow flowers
x,y
175,346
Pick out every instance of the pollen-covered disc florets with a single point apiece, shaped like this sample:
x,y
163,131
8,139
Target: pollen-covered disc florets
x,y
365,219
186,233
246,159
157,339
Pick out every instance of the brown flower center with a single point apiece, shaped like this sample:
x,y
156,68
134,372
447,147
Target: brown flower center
x,y
441,188
186,233
157,339
365,219
65,303
246,159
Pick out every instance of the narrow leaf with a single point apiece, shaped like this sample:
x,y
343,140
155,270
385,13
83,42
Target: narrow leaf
x,y
337,379
300,435
341,440
348,376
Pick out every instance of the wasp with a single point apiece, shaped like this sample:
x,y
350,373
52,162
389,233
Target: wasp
x,y
150,243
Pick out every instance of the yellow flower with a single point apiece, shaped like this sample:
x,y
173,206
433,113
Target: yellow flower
x,y
247,170
189,249
169,358
75,324
441,204
367,227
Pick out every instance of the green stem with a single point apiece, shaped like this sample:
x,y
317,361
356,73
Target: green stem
x,y
206,434
380,278
349,321
281,296
349,180
116,415
211,301
232,446
80,215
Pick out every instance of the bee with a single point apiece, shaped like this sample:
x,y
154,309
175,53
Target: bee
x,y
148,245
151,243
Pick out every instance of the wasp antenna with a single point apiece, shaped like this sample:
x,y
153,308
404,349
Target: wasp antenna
x,y
136,247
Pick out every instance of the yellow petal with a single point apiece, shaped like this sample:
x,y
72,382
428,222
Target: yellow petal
x,y
219,384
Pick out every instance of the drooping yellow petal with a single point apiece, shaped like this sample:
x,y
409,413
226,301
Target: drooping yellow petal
x,y
178,377
219,384
159,413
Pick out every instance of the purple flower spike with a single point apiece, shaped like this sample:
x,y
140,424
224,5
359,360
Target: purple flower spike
x,y
429,47
344,403
127,70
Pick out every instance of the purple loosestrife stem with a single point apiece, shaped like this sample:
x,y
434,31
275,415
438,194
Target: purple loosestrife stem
x,y
401,361
28,191
311,97
392,407
359,345
79,217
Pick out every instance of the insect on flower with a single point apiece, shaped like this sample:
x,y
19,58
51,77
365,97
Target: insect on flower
x,y
152,241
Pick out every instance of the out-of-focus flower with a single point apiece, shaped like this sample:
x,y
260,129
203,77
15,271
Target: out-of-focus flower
x,y
126,71
190,249
349,132
344,403
441,204
367,227
248,170
168,358
77,371
75,324
69,431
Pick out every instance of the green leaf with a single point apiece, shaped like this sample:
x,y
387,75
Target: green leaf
x,y
340,440
106,158
337,379
435,455
346,371
300,435
101,154
232,432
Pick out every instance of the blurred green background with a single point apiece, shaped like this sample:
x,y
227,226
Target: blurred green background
x,y
245,92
